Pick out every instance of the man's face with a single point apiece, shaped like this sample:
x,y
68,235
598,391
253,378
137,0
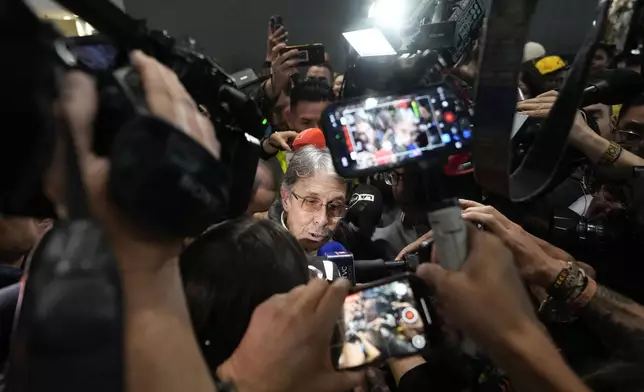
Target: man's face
x,y
17,237
313,208
306,115
601,114
630,129
405,132
318,72
599,63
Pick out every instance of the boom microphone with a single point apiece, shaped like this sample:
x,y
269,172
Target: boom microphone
x,y
615,87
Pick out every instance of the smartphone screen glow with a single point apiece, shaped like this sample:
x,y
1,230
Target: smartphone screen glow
x,y
381,322
380,132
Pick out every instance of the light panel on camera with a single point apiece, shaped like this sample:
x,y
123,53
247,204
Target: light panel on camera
x,y
369,42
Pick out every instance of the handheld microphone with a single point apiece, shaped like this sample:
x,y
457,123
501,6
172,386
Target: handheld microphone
x,y
309,137
615,87
365,207
338,262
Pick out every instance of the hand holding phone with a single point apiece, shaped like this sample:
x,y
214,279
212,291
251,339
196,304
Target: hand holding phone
x,y
283,67
276,22
308,55
277,34
390,318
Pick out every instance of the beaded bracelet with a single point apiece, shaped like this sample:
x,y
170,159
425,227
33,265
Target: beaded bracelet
x,y
585,296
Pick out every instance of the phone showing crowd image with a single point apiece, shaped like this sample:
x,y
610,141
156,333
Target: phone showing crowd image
x,y
308,55
389,318
374,134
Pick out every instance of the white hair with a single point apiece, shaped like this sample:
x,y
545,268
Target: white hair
x,y
306,163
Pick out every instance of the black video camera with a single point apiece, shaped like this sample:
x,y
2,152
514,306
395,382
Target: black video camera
x,y
150,159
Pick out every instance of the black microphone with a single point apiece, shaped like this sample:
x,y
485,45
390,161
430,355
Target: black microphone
x,y
365,208
614,87
370,270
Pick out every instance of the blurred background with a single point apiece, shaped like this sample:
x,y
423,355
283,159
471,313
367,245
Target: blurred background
x,y
558,25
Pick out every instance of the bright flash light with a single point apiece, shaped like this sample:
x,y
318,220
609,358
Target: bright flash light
x,y
369,42
370,103
388,13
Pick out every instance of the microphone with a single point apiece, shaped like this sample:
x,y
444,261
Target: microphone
x,y
331,248
311,136
615,87
333,254
365,208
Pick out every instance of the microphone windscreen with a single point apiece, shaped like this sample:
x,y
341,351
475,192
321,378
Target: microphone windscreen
x,y
330,248
365,206
309,137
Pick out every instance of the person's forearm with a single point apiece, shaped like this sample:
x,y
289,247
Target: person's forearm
x,y
619,322
158,332
269,91
593,146
533,363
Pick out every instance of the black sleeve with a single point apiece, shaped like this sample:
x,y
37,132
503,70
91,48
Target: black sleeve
x,y
8,303
416,379
442,372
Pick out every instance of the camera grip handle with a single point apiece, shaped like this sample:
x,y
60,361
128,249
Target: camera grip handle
x,y
450,240
450,234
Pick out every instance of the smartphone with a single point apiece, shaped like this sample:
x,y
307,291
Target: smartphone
x,y
390,318
276,21
93,52
308,55
375,134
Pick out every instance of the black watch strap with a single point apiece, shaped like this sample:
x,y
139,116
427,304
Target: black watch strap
x,y
224,386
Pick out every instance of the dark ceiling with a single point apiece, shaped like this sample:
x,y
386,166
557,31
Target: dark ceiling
x,y
234,31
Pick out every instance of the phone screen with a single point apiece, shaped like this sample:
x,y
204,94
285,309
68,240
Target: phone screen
x,y
382,322
276,22
375,133
95,56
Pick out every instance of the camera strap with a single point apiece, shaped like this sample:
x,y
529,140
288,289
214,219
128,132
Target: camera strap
x,y
75,194
505,34
544,157
496,101
70,313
